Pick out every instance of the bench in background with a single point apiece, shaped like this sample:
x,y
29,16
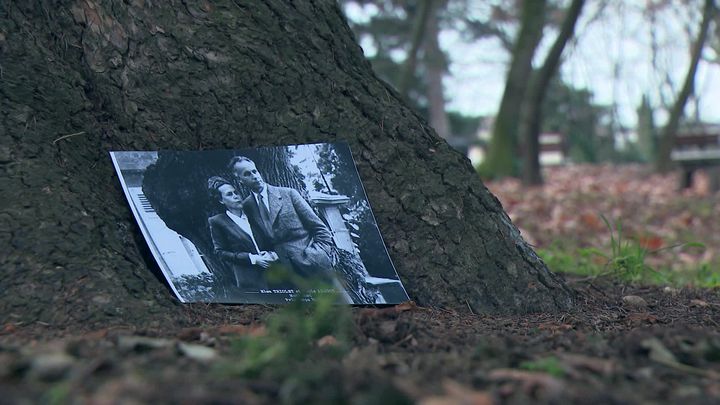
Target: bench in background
x,y
695,151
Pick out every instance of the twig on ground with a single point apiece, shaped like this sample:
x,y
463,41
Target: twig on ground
x,y
67,136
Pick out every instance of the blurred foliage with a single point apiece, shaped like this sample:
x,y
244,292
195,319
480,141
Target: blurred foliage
x,y
300,349
571,111
549,365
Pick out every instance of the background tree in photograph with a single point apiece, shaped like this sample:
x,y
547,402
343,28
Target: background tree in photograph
x,y
357,212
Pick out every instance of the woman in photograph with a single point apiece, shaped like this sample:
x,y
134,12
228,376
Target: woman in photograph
x,y
236,242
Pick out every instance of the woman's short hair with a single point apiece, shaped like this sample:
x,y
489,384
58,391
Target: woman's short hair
x,y
214,184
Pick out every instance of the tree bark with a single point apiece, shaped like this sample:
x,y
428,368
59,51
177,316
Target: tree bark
x,y
531,110
669,131
503,150
81,78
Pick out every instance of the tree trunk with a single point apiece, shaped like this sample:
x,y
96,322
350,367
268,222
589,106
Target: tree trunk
x,y
503,150
81,78
436,68
418,34
647,139
531,111
669,131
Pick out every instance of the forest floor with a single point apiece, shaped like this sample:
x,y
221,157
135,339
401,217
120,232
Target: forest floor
x,y
638,334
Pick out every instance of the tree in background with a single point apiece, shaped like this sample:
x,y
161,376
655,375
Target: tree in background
x,y
525,89
669,131
405,37
436,64
647,133
531,107
714,41
502,152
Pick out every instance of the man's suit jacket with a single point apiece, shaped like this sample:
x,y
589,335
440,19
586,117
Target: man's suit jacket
x,y
233,246
298,236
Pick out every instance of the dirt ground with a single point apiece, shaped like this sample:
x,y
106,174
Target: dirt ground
x,y
620,344
661,347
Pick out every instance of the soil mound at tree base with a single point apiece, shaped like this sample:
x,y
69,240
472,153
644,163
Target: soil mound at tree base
x,y
602,351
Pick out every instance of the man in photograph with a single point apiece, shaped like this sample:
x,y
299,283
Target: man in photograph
x,y
297,234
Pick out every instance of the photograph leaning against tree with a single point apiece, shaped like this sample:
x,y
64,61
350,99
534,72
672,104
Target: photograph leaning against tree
x,y
260,225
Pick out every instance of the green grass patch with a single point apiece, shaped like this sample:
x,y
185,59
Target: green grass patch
x,y
57,394
549,365
626,260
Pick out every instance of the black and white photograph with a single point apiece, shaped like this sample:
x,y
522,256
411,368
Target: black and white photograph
x,y
261,225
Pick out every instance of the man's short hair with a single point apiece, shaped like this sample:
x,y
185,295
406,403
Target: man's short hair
x,y
214,184
235,160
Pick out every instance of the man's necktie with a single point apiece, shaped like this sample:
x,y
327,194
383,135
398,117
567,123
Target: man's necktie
x,y
264,213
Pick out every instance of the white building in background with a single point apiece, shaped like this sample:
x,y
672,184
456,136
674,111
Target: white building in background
x,y
329,206
177,254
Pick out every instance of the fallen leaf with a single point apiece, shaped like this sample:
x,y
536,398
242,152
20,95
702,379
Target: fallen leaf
x,y
189,334
50,366
634,301
531,381
8,328
402,307
660,354
140,343
555,327
597,365
387,328
671,291
650,242
197,352
699,303
406,306
97,334
327,340
251,330
642,317
657,351
591,221
456,394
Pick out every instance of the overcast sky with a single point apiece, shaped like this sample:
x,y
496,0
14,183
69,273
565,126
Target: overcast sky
x,y
620,37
